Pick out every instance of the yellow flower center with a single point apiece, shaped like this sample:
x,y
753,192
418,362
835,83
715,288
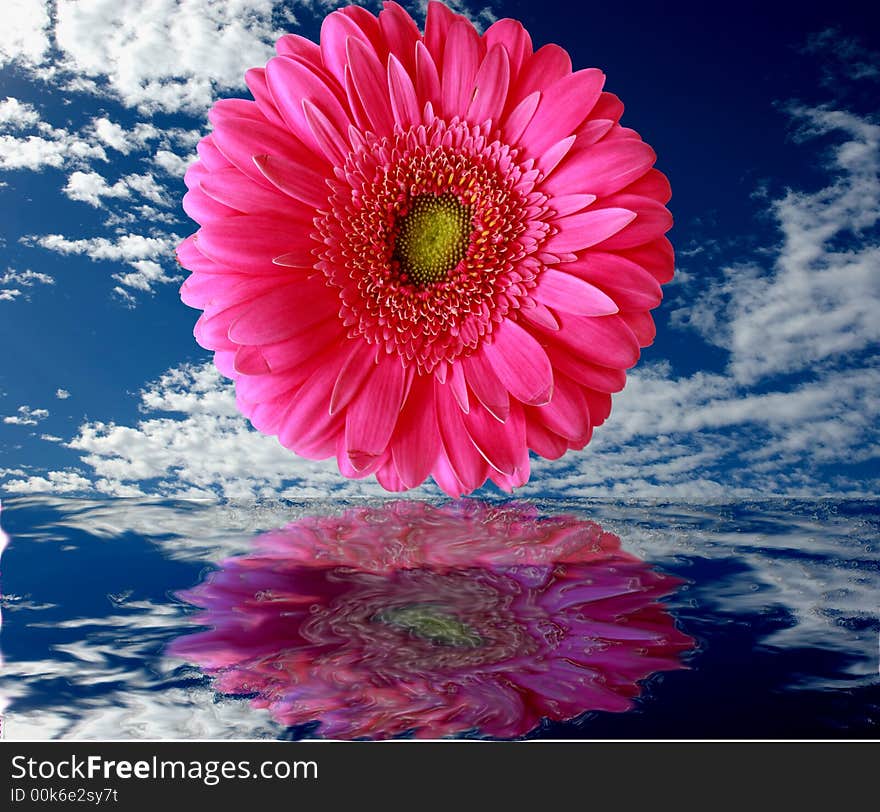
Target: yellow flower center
x,y
431,623
432,238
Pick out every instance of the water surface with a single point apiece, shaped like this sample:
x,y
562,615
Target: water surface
x,y
127,618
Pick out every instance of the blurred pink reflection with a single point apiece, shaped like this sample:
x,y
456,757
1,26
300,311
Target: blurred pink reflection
x,y
434,620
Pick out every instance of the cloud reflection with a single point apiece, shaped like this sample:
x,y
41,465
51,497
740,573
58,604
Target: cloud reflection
x,y
434,620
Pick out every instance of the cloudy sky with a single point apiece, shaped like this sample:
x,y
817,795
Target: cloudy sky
x,y
764,379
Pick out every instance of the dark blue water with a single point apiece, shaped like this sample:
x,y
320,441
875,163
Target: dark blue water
x,y
169,619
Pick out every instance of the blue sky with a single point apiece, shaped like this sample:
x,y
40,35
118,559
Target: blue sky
x,y
764,379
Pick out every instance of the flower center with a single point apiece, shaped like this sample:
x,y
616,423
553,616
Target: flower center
x,y
432,238
431,623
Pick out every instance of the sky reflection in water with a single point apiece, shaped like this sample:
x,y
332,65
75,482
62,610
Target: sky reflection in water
x,y
132,618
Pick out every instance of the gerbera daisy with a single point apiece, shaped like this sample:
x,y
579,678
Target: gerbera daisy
x,y
425,254
434,621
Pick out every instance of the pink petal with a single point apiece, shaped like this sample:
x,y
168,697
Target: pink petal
x,y
630,285
520,363
416,442
607,167
293,179
329,139
461,57
357,367
248,244
372,416
388,478
237,191
502,446
547,65
300,47
241,139
591,131
602,379
427,76
564,105
599,404
642,325
282,313
204,209
609,106
603,340
515,124
370,81
210,155
567,413
541,440
401,34
191,258
404,100
438,20
267,416
255,79
362,121
445,477
563,291
291,82
486,385
652,184
336,30
211,329
656,257
491,86
308,416
540,315
234,108
579,231
511,35
469,467
569,204
250,361
548,161
652,221
370,26
300,348
259,388
459,387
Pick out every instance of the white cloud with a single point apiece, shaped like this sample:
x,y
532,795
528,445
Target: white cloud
x,y
162,54
37,151
842,57
142,253
820,300
53,482
92,188
19,280
17,115
209,451
62,394
126,248
125,141
23,35
146,273
171,163
26,416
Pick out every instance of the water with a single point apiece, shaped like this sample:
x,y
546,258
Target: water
x,y
170,619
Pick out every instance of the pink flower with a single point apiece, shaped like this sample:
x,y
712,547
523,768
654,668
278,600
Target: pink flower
x,y
435,620
425,255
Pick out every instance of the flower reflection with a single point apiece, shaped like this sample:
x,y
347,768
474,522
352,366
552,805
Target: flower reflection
x,y
434,620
